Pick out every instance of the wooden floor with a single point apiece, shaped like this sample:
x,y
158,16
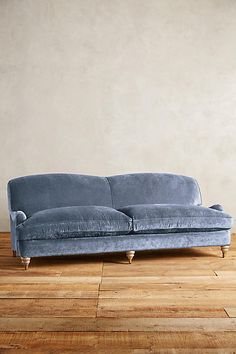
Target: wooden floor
x,y
179,301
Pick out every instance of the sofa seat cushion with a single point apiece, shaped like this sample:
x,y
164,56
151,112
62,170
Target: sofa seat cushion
x,y
76,221
159,218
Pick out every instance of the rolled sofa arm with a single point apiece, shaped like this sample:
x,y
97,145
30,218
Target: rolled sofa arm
x,y
16,217
218,207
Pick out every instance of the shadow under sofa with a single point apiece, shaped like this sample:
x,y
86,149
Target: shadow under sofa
x,y
70,214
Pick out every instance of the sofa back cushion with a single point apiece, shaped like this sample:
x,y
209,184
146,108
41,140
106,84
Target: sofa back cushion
x,y
38,192
154,188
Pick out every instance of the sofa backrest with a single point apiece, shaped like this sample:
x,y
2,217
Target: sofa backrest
x,y
154,188
38,192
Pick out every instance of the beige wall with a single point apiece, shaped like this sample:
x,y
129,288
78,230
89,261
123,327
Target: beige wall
x,y
114,86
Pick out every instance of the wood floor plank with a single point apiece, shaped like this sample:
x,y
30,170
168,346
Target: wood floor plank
x,y
55,341
165,298
118,351
164,324
127,351
83,351
214,283
155,311
40,290
169,280
133,271
47,265
48,307
32,272
151,307
117,324
49,279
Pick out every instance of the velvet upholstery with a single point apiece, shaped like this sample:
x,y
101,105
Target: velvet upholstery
x,y
176,218
56,214
137,242
39,192
152,188
80,221
16,217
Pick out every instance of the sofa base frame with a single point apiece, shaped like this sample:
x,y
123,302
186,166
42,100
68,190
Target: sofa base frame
x,y
121,243
129,254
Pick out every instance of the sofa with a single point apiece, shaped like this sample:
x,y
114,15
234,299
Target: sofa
x,y
73,214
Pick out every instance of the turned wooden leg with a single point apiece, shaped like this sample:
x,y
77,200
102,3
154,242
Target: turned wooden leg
x,y
130,255
224,250
13,253
26,262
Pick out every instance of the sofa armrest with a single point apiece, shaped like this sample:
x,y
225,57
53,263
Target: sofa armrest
x,y
16,217
218,207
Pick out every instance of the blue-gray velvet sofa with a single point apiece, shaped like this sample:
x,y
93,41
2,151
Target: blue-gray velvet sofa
x,y
69,214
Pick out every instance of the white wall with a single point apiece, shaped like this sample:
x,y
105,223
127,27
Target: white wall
x,y
112,86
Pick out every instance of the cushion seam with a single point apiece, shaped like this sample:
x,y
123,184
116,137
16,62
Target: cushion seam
x,y
70,222
184,228
112,202
181,217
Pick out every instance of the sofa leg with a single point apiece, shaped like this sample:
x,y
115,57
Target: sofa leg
x,y
130,255
224,250
13,253
26,262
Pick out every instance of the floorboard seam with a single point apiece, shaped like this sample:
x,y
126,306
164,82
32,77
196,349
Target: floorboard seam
x,y
99,288
227,313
